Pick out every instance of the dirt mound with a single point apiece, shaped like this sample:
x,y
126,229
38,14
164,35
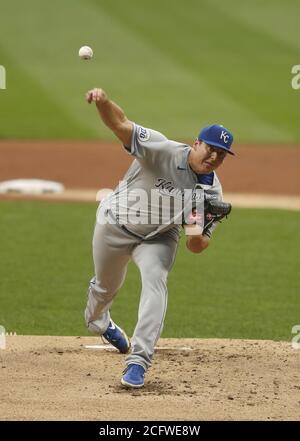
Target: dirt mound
x,y
58,378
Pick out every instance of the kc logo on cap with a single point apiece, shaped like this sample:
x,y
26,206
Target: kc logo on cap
x,y
225,136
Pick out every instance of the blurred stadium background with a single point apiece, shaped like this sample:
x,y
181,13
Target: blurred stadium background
x,y
190,62
173,66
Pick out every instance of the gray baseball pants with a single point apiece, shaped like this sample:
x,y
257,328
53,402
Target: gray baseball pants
x,y
113,248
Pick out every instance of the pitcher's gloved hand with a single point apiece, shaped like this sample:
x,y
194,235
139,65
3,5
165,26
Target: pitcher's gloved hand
x,y
214,211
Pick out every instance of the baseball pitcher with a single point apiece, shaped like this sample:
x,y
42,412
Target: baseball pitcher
x,y
169,185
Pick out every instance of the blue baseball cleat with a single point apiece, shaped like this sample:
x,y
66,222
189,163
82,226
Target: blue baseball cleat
x,y
117,337
133,376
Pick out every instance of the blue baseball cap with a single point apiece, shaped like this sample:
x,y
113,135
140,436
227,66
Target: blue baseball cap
x,y
217,136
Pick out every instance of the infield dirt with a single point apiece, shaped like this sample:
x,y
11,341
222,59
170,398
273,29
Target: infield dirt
x,y
95,164
57,378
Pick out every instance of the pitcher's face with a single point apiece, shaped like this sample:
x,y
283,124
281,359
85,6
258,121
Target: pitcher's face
x,y
205,158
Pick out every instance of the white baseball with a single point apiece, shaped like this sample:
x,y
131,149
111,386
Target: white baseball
x,y
85,53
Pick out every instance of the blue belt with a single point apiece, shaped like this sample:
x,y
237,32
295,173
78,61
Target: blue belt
x,y
130,232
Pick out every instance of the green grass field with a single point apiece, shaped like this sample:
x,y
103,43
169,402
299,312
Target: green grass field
x,y
244,286
173,66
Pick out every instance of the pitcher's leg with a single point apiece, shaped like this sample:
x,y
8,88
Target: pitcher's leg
x,y
154,260
110,263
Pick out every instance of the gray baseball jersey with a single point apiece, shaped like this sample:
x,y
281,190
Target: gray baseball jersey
x,y
148,200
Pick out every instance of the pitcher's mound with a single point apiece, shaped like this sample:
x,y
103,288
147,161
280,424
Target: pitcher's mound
x,y
72,378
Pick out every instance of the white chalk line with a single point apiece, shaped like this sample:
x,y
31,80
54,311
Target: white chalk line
x,y
158,348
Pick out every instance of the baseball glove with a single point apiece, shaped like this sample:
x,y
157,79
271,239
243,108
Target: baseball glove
x,y
214,211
